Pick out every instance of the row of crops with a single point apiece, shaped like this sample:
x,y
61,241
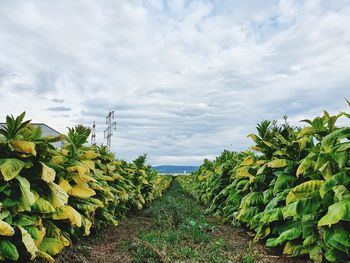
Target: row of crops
x,y
293,192
50,197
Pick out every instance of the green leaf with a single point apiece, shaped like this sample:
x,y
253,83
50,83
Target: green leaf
x,y
52,246
10,168
43,206
336,212
338,179
283,182
28,198
289,234
8,250
329,140
304,190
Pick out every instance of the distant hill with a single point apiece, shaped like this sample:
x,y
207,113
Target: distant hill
x,y
175,169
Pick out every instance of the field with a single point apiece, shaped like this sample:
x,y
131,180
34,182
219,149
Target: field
x,y
174,228
289,191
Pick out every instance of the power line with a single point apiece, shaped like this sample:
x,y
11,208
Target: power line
x,y
93,133
110,125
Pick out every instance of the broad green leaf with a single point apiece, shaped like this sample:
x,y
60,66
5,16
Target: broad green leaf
x,y
304,190
306,131
337,179
52,246
289,234
342,146
336,212
340,157
6,229
47,173
283,182
25,220
316,254
28,198
328,141
8,250
28,242
10,168
340,193
68,212
43,206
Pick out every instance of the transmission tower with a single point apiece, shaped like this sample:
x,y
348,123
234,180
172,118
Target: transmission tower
x,y
110,125
93,133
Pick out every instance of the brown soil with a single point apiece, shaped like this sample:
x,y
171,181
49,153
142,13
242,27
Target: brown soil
x,y
238,238
107,246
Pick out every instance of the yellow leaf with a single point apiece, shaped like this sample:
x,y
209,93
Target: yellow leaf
x,y
82,191
254,137
58,159
89,164
68,212
81,176
65,152
256,148
23,146
243,172
59,196
277,163
42,233
117,176
64,184
248,161
28,242
90,154
6,229
289,248
303,190
47,173
45,257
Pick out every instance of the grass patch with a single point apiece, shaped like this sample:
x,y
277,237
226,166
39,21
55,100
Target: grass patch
x,y
181,233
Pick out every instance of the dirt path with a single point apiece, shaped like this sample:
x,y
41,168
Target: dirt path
x,y
172,229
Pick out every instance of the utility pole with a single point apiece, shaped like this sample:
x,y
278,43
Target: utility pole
x,y
93,133
110,125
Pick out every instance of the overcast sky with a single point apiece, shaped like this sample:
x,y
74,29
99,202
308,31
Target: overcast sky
x,y
187,78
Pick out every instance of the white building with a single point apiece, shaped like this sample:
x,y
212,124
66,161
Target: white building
x,y
47,131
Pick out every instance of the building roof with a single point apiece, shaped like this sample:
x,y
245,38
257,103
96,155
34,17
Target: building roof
x,y
47,130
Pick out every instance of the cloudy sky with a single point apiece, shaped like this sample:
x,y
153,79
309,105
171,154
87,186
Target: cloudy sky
x,y
187,78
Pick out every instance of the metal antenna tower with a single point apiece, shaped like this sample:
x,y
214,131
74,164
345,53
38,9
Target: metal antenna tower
x,y
93,133
110,125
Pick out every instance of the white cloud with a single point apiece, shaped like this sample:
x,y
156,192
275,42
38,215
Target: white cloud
x,y
187,78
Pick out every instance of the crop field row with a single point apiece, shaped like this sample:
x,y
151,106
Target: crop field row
x,y
293,192
52,197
